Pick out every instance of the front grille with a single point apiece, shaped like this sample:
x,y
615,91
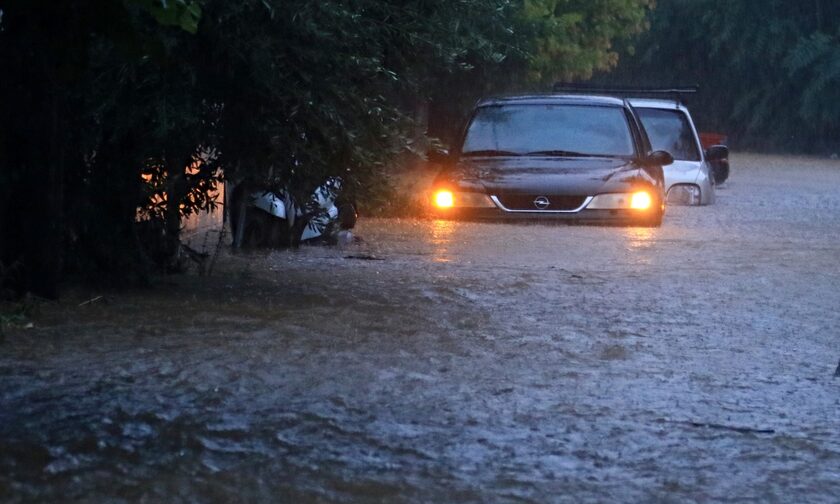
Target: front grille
x,y
526,202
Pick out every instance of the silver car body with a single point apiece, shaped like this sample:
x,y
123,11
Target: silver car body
x,y
322,207
682,173
320,210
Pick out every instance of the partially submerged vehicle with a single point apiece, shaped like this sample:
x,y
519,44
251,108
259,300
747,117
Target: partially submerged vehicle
x,y
264,218
690,180
557,157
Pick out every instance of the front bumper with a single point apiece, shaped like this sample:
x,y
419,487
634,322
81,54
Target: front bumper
x,y
602,217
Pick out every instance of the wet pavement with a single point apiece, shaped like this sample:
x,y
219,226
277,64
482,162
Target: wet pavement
x,y
441,361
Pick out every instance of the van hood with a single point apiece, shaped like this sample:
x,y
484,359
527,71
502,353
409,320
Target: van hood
x,y
572,176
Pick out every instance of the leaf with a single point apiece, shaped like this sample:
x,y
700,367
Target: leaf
x,y
184,14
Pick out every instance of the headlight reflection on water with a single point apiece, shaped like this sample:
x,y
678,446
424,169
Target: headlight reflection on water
x,y
640,241
442,232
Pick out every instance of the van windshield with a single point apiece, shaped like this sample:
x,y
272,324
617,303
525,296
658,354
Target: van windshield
x,y
549,130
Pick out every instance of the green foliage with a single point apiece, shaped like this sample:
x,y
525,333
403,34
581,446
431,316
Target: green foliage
x,y
184,14
115,106
574,38
769,70
540,42
336,81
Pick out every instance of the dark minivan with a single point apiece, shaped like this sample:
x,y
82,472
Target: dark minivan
x,y
584,158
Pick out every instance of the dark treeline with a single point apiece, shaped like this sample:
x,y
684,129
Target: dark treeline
x,y
769,70
120,111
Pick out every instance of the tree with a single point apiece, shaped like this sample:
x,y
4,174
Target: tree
x,y
541,42
769,70
115,106
69,195
572,39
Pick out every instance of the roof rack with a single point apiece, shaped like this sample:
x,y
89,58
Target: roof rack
x,y
676,93
624,90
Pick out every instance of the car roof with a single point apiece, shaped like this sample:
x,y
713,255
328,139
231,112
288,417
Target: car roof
x,y
554,99
654,103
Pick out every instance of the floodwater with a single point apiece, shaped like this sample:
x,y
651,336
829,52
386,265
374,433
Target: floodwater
x,y
441,361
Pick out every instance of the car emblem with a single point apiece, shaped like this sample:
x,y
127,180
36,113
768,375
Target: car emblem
x,y
542,202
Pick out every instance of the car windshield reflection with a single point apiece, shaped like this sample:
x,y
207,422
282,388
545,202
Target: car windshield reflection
x,y
549,130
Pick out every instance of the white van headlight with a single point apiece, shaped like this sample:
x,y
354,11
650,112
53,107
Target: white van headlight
x,y
684,194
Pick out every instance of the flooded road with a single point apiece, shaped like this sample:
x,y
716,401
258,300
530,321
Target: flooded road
x,y
440,361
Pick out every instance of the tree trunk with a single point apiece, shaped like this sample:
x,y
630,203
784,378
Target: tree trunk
x,y
176,191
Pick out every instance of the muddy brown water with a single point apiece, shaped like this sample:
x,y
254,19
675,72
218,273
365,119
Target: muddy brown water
x,y
441,361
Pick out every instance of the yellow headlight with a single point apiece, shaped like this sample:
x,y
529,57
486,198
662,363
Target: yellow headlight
x,y
444,199
640,201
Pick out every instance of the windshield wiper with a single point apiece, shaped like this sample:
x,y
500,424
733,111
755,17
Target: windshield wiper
x,y
490,152
560,153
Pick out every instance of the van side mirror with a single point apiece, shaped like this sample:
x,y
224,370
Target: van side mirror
x,y
717,153
658,158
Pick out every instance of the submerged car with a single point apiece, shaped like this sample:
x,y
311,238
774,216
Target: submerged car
x,y
690,180
263,218
563,157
